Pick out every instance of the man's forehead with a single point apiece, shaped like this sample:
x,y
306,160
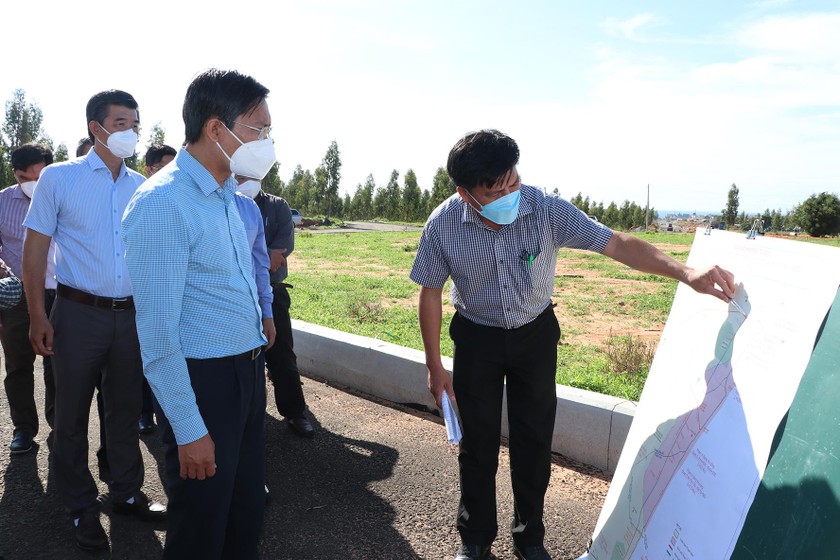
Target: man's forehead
x,y
508,179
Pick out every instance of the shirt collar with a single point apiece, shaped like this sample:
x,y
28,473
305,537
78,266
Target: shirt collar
x,y
17,192
206,182
95,162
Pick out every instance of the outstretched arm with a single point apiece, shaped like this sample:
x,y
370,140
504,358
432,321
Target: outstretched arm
x,y
644,257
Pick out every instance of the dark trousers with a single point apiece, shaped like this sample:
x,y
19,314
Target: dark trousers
x,y
95,345
20,368
281,359
485,358
220,517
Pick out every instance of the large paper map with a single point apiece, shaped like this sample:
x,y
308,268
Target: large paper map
x,y
718,388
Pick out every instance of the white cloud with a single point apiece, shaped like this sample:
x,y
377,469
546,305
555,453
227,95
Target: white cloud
x,y
629,28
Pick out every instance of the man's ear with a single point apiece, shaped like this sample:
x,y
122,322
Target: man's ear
x,y
94,127
214,128
462,192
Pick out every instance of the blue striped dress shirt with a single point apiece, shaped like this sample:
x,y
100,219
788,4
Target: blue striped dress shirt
x,y
194,289
80,206
254,229
502,278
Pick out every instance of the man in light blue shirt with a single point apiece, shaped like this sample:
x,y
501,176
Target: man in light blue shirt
x,y
91,332
199,319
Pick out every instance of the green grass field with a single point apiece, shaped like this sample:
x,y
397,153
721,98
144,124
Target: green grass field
x,y
358,283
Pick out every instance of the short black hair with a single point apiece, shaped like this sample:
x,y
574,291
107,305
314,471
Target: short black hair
x,y
97,106
482,158
157,152
84,146
30,154
221,94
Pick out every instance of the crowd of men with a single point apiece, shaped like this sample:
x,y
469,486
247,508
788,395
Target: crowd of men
x,y
165,295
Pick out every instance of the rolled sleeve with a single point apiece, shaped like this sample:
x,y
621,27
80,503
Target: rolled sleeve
x,y
157,243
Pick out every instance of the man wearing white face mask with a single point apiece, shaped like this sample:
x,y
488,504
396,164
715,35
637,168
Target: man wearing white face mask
x,y
199,318
91,332
27,163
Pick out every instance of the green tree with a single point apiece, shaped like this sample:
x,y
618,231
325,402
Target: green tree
x,y
23,122
412,210
331,177
361,206
442,188
392,197
611,217
60,153
298,193
819,215
272,183
730,214
157,136
22,125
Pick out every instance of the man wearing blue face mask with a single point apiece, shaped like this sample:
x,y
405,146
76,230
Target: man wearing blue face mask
x,y
91,331
199,318
498,240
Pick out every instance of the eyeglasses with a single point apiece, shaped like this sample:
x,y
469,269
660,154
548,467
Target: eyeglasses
x,y
265,132
156,168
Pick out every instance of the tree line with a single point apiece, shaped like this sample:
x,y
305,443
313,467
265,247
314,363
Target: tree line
x,y
316,194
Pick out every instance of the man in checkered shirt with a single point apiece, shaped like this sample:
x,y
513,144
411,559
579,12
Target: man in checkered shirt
x,y
498,239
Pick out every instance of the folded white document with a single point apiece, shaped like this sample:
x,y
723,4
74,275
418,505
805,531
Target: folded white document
x,y
453,429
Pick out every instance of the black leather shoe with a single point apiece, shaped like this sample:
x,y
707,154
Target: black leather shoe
x,y
267,498
536,552
146,425
142,509
21,443
302,427
473,552
89,532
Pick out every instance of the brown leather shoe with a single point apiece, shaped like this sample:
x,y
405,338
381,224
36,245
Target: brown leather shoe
x,y
142,509
89,532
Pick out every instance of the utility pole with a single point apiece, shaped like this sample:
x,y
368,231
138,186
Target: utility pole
x,y
647,208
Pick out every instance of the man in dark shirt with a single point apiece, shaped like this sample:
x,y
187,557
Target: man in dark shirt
x,y
280,359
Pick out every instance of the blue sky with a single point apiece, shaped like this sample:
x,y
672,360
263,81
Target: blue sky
x,y
603,97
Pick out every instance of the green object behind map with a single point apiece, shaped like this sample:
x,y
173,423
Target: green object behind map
x,y
796,512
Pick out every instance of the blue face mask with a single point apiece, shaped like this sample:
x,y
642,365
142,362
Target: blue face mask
x,y
503,210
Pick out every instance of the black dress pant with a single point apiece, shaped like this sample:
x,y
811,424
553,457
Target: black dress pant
x,y
91,346
20,368
220,517
281,360
485,358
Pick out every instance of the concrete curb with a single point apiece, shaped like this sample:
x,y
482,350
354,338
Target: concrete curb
x,y
589,427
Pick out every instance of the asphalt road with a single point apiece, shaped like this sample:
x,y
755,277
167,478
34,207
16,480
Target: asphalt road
x,y
376,482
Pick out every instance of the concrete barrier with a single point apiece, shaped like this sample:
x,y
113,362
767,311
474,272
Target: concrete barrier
x,y
589,427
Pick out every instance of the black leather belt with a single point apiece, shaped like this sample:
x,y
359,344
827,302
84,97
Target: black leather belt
x,y
114,304
250,354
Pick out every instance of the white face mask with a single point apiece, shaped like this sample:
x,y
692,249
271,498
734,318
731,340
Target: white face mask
x,y
122,143
251,159
28,188
249,188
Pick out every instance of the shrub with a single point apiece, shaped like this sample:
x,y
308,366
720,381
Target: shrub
x,y
629,354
